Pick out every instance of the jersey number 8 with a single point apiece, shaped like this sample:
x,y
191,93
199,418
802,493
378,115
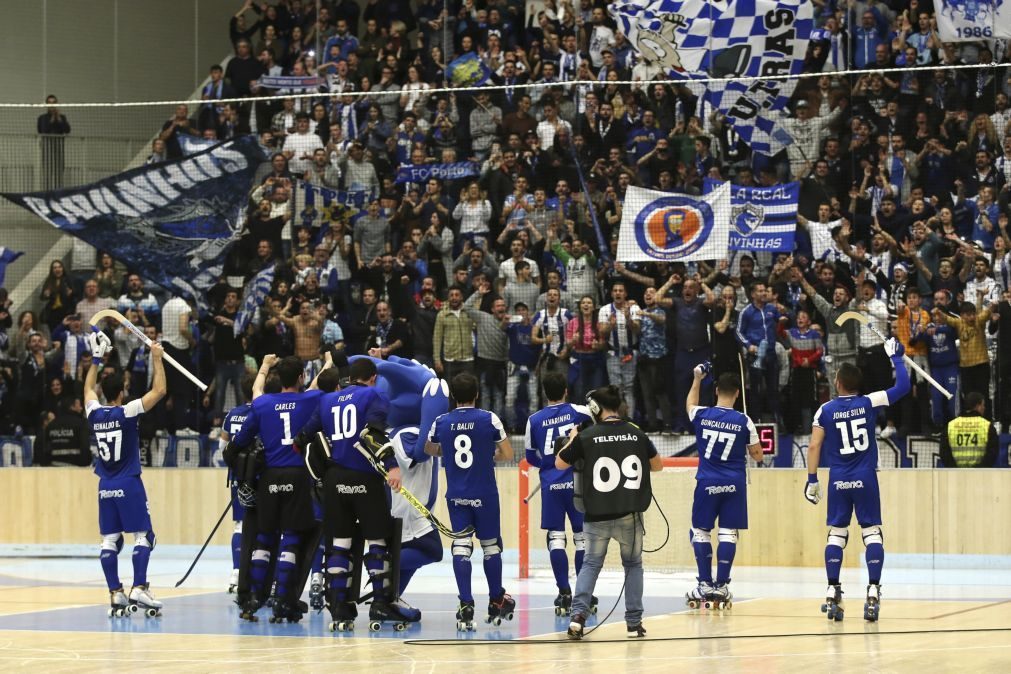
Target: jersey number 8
x,y
631,468
462,455
853,436
110,445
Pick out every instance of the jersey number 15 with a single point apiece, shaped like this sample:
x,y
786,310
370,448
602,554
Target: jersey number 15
x,y
853,436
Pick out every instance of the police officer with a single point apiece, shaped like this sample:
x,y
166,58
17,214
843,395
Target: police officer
x,y
970,440
65,440
612,488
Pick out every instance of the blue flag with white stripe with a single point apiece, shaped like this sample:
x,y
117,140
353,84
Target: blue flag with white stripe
x,y
256,292
732,39
761,218
6,257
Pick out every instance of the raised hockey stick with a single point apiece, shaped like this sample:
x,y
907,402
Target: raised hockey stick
x,y
204,546
121,319
864,320
744,404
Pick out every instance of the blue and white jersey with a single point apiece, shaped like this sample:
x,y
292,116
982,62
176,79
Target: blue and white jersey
x,y
543,428
722,436
468,438
115,431
278,417
344,414
850,447
233,421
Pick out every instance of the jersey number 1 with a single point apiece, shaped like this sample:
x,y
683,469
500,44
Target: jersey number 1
x,y
853,436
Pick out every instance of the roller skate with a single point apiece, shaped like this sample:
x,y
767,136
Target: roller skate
x,y
119,604
343,617
248,607
396,612
833,607
872,605
141,600
719,598
576,624
286,611
316,597
501,609
563,603
233,581
465,616
697,596
593,604
635,631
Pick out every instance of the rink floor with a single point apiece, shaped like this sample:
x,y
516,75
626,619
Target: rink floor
x,y
53,618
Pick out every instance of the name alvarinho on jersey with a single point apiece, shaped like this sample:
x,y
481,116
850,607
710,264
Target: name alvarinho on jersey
x,y
721,425
556,420
846,414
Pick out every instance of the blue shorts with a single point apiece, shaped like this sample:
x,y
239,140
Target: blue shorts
x,y
122,506
726,500
858,493
481,512
557,502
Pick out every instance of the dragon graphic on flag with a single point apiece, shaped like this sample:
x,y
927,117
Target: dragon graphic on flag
x,y
727,39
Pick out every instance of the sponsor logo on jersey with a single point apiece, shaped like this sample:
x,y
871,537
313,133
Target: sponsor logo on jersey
x,y
472,502
351,489
561,486
111,493
277,488
848,484
722,489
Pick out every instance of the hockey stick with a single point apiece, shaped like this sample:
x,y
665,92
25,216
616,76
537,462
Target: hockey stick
x,y
533,493
204,546
744,404
122,320
864,320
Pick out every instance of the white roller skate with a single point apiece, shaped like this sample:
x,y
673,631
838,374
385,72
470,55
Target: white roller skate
x,y
119,604
317,584
233,581
697,596
833,606
141,600
720,598
465,617
872,605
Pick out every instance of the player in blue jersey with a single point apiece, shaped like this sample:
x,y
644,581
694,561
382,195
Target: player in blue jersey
x,y
725,439
283,494
472,440
555,421
122,502
230,427
844,430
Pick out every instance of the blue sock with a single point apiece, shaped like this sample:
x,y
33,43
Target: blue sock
x,y
141,555
704,560
724,561
493,572
375,563
338,569
875,557
317,559
287,563
259,564
110,567
461,569
236,549
560,567
833,563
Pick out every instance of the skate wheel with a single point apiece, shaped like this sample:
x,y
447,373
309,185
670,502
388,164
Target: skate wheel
x,y
559,611
824,608
152,613
399,627
709,605
231,589
728,605
693,604
332,626
112,613
132,608
593,610
496,621
509,616
375,626
461,626
838,616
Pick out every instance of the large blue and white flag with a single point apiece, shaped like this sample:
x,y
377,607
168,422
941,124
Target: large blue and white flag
x,y
696,39
317,206
194,144
419,173
6,257
171,222
972,20
668,227
256,292
761,218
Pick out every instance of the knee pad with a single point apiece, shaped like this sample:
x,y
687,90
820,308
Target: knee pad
x,y
579,541
374,541
341,544
872,534
237,529
727,535
144,538
112,542
556,540
259,555
838,537
491,547
463,548
703,536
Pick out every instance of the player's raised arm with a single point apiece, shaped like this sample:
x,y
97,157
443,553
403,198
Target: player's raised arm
x,y
99,345
700,373
158,387
261,376
892,395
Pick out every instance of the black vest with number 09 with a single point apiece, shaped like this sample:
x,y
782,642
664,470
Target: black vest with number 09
x,y
612,477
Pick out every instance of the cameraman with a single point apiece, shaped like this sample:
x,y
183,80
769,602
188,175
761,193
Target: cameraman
x,y
612,452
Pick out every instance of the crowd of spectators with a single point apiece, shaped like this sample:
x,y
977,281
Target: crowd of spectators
x,y
903,216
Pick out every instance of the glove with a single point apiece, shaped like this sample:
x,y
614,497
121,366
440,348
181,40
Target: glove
x,y
894,348
99,344
812,492
703,369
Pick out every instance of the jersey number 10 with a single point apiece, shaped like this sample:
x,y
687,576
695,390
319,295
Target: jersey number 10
x,y
853,436
345,423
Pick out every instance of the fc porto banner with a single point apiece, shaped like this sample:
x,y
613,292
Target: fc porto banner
x,y
696,39
291,82
419,173
761,218
668,227
172,221
468,71
317,206
972,20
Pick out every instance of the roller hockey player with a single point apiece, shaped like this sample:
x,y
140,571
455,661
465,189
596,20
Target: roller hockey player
x,y
122,501
283,496
230,427
555,422
844,430
474,440
725,439
355,499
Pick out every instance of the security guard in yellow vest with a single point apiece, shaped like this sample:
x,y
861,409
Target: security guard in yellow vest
x,y
970,440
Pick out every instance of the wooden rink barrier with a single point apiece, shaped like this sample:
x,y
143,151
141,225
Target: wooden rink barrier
x,y
925,512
